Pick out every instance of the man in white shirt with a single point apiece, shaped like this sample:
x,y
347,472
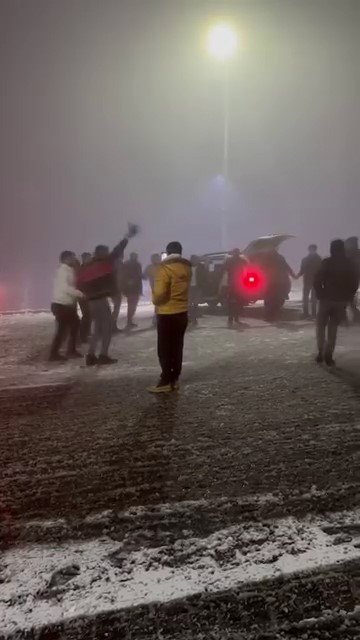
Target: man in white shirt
x,y
65,296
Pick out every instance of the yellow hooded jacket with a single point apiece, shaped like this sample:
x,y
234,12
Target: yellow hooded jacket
x,y
171,286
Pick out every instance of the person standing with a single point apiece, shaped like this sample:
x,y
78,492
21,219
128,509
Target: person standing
x,y
335,283
132,287
85,322
171,299
309,266
97,280
63,307
149,274
233,269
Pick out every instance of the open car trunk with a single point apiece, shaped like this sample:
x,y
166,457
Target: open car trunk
x,y
265,243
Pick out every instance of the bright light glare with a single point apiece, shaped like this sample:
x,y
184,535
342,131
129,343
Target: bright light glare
x,y
222,42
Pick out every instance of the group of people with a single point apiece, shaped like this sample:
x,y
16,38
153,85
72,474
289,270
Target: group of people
x,y
94,281
99,277
329,285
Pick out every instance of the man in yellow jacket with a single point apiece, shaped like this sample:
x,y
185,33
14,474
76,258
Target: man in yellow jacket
x,y
171,300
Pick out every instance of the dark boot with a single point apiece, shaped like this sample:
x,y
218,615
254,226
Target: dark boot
x,y
329,360
91,360
57,357
106,360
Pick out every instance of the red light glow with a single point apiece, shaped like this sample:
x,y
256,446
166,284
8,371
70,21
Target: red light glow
x,y
252,282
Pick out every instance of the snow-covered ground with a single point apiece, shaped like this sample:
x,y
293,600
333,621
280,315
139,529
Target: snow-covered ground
x,y
110,498
96,576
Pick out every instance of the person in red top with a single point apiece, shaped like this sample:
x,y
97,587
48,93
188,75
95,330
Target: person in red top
x,y
98,282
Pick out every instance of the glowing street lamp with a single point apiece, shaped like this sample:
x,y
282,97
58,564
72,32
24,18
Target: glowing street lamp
x,y
222,44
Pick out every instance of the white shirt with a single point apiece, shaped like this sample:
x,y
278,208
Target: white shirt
x,y
64,290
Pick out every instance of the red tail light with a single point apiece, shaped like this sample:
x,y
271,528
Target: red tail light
x,y
252,281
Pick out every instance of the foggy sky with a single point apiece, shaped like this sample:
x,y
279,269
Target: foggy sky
x,y
111,111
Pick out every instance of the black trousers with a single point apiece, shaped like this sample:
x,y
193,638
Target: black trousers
x,y
171,330
67,324
235,307
330,316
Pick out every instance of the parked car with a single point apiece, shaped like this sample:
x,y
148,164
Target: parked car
x,y
264,278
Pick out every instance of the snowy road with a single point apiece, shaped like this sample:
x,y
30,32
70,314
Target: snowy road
x,y
135,517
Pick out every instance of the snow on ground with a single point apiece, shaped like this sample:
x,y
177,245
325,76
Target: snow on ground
x,y
111,497
43,585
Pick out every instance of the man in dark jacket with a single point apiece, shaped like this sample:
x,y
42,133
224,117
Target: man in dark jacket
x,y
335,285
309,266
233,269
98,282
132,286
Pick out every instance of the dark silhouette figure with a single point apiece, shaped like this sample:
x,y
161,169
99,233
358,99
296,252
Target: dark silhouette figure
x,y
309,266
132,286
335,284
233,269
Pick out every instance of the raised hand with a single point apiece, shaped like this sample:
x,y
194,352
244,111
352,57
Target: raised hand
x,y
133,230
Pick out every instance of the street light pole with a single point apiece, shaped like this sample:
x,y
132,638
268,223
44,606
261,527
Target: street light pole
x,y
222,43
225,163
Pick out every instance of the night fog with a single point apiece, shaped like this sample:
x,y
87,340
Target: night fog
x,y
112,112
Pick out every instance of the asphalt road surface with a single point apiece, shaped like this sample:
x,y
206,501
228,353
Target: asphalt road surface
x,y
229,510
